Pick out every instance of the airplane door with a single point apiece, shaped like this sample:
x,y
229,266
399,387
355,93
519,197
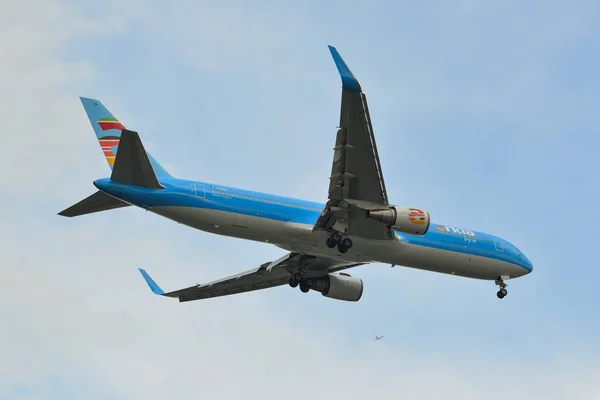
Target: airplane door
x,y
199,191
500,245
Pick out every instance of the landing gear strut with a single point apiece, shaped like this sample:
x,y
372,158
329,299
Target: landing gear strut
x,y
502,292
335,239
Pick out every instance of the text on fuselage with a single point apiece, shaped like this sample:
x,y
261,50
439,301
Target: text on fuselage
x,y
451,229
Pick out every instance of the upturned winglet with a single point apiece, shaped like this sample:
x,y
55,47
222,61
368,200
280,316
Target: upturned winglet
x,y
153,286
349,81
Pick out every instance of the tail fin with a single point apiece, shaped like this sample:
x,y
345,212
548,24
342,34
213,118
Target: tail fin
x,y
132,166
108,131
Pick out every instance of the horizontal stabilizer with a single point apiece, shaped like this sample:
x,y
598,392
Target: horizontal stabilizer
x,y
99,201
132,166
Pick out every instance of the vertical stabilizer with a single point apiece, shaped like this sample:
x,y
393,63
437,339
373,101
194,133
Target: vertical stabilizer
x,y
132,165
108,131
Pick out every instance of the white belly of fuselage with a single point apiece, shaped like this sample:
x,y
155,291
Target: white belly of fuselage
x,y
300,238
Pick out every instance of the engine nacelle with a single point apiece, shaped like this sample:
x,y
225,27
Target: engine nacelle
x,y
405,219
339,286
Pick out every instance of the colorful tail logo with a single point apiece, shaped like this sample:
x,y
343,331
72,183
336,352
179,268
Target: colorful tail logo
x,y
109,147
110,144
110,123
416,216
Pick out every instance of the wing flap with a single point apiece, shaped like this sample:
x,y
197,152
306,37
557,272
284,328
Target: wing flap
x,y
229,288
356,170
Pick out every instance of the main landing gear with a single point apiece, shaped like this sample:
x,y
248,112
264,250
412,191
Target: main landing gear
x,y
502,292
305,284
343,244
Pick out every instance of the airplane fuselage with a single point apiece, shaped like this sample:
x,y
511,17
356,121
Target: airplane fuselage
x,y
288,223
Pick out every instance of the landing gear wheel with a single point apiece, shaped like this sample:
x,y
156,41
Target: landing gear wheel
x,y
502,292
304,287
333,240
336,239
293,282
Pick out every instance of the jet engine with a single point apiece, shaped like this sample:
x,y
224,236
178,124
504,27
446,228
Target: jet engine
x,y
338,286
405,219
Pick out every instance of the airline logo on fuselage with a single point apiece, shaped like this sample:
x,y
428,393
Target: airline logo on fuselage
x,y
451,229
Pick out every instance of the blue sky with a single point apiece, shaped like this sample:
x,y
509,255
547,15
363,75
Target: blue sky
x,y
485,114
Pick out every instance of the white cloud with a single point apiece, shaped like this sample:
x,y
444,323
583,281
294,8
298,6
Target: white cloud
x,y
38,97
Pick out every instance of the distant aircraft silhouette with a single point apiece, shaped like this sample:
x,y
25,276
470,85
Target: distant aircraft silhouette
x,y
378,337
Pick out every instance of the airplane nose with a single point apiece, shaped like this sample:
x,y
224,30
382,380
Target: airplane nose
x,y
527,263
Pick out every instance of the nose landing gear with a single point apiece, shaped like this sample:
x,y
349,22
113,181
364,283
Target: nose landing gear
x,y
502,292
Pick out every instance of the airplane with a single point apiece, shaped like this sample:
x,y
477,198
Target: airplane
x,y
356,226
378,337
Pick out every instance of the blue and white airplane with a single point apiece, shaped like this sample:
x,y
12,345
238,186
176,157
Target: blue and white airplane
x,y
356,226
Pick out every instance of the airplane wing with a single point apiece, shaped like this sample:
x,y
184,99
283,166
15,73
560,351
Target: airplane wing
x,y
268,275
356,181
